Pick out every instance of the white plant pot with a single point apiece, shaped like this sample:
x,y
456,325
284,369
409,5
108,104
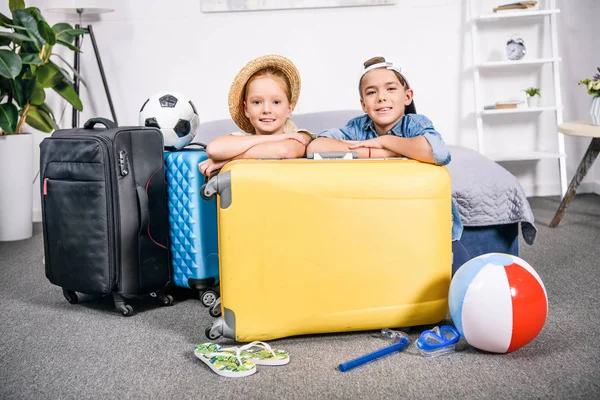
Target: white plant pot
x,y
533,101
16,174
595,110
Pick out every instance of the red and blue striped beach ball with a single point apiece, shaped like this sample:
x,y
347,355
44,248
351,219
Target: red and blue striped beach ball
x,y
498,302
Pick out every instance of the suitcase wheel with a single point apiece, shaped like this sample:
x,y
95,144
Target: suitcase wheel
x,y
167,300
126,310
208,298
211,335
215,309
206,196
71,296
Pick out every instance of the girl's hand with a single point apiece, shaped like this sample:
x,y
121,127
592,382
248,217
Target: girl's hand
x,y
206,167
375,143
298,137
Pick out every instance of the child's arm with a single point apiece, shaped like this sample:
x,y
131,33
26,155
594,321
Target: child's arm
x,y
269,146
324,144
289,145
420,141
416,148
229,146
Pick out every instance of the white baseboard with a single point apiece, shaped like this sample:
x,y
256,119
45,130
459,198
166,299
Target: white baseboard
x,y
553,189
596,187
37,215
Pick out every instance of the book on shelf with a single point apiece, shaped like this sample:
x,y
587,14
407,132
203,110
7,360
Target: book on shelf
x,y
521,5
500,105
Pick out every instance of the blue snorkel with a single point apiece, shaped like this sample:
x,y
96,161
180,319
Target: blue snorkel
x,y
398,346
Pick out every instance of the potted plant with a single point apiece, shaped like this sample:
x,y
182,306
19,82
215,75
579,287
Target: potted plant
x,y
531,92
27,70
593,89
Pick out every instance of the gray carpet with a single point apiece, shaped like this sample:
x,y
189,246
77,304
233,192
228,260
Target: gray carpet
x,y
50,349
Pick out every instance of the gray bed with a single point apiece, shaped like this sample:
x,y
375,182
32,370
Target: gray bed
x,y
490,200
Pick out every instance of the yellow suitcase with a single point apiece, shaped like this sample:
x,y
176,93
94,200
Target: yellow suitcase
x,y
314,246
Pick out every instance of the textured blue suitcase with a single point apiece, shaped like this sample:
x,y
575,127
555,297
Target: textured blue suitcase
x,y
192,225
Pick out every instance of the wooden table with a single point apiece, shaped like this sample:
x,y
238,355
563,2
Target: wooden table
x,y
583,129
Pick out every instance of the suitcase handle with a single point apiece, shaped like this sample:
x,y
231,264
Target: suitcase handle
x,y
331,155
199,144
90,123
143,207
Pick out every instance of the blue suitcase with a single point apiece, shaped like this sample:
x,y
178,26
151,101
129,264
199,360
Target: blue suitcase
x,y
192,226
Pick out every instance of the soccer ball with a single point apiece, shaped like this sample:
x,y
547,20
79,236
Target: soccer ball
x,y
174,114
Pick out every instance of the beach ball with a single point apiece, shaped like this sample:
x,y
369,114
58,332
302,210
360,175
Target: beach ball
x,y
498,302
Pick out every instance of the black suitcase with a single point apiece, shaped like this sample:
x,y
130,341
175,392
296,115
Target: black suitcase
x,y
104,212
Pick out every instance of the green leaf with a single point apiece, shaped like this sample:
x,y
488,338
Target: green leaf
x,y
69,94
31,58
10,64
4,20
35,13
38,119
48,110
66,32
26,20
46,32
73,70
69,45
15,37
5,41
9,117
45,75
16,4
49,117
38,97
23,90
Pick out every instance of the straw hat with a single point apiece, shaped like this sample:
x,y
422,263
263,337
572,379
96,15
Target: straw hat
x,y
238,88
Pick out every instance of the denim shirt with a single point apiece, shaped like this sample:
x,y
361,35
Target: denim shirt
x,y
411,125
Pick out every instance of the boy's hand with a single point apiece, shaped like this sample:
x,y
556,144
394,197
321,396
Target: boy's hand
x,y
375,143
298,137
206,167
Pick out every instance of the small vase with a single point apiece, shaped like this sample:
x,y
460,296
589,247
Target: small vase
x,y
595,111
533,101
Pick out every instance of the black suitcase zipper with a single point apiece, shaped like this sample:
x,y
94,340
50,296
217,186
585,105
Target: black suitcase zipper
x,y
114,223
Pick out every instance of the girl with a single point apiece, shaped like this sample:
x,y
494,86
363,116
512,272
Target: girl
x,y
261,99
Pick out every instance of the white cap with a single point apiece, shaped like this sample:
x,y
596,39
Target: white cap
x,y
386,64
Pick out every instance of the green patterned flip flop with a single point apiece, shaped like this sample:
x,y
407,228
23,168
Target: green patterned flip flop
x,y
224,364
263,354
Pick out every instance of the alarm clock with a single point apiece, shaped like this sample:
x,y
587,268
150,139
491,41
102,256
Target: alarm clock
x,y
515,48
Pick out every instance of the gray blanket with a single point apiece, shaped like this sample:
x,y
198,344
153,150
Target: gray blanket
x,y
487,194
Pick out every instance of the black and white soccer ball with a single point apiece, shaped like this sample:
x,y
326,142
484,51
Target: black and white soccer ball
x,y
174,114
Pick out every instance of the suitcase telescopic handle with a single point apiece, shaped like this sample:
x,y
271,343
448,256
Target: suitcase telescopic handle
x,y
333,155
90,123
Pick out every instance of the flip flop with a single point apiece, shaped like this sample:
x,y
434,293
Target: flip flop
x,y
262,355
224,364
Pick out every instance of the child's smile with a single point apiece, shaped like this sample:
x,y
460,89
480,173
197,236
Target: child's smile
x,y
384,98
267,106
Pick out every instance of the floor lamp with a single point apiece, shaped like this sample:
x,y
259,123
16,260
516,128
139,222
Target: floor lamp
x,y
77,61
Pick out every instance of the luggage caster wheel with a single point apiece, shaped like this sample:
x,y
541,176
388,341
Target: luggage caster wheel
x,y
204,195
215,311
211,336
208,298
167,300
71,296
126,310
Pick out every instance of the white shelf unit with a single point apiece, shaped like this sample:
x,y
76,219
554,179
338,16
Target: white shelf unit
x,y
476,19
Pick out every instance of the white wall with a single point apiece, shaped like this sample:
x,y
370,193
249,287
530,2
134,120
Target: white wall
x,y
174,46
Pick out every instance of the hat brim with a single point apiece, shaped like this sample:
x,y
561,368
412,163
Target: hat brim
x,y
238,87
